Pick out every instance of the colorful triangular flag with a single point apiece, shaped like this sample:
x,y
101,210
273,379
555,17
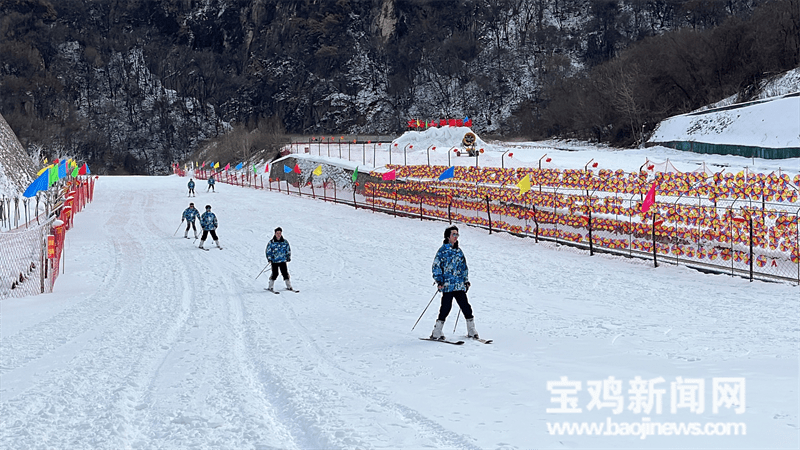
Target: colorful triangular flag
x,y
524,184
649,199
318,170
450,172
355,175
390,175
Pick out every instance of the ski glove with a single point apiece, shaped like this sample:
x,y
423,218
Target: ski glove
x,y
467,285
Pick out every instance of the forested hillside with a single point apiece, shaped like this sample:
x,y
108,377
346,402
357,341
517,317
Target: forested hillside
x,y
132,85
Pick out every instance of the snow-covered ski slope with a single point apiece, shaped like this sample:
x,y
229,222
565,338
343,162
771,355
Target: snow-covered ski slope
x,y
149,342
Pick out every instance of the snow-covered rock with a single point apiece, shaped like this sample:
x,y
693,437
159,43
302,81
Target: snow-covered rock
x,y
17,169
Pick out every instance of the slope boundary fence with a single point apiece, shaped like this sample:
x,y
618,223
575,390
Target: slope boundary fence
x,y
31,259
742,224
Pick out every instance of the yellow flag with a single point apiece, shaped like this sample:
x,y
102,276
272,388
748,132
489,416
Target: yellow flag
x,y
318,170
216,165
43,169
45,160
524,184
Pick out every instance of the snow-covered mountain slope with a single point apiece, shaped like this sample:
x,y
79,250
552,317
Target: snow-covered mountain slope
x,y
771,119
149,342
771,123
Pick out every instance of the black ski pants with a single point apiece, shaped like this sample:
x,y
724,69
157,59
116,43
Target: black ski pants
x,y
205,235
191,225
447,304
279,266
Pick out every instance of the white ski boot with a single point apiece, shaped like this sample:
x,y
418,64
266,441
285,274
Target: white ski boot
x,y
217,242
271,287
201,244
471,332
288,285
186,234
437,331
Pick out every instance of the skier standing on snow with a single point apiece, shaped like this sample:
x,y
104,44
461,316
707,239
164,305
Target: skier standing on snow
x,y
191,187
211,184
278,254
452,277
189,214
209,223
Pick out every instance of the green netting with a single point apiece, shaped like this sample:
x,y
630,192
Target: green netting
x,y
738,150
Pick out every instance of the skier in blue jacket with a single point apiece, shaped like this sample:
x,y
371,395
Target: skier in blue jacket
x,y
208,221
452,277
189,214
191,188
211,184
278,254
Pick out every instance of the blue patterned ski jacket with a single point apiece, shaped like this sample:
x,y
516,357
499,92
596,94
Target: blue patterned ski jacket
x,y
211,180
190,214
208,221
450,269
278,251
191,184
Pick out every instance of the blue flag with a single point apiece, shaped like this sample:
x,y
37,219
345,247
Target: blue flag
x,y
450,172
239,166
62,169
286,169
39,184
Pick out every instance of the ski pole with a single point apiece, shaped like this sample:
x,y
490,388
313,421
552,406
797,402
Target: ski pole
x,y
423,311
262,271
179,227
459,310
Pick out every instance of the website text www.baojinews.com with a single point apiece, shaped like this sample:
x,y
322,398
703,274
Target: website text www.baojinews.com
x,y
646,397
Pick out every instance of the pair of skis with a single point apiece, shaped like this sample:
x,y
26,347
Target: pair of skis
x,y
278,292
484,341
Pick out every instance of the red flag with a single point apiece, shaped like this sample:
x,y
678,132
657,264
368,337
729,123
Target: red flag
x,y
296,168
411,124
459,123
468,123
391,175
227,166
451,122
442,122
649,199
82,171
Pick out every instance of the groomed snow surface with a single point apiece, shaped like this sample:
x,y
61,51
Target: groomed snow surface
x,y
149,342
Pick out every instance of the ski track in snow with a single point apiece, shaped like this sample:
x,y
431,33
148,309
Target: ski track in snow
x,y
172,347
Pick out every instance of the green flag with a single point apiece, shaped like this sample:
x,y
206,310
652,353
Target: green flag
x,y
355,174
74,172
53,176
254,169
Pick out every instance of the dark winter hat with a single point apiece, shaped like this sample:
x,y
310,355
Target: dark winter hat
x,y
208,206
279,229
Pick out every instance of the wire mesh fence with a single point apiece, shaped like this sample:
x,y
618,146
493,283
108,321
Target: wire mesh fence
x,y
739,224
31,256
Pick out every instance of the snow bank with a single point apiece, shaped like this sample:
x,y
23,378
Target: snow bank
x,y
773,123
